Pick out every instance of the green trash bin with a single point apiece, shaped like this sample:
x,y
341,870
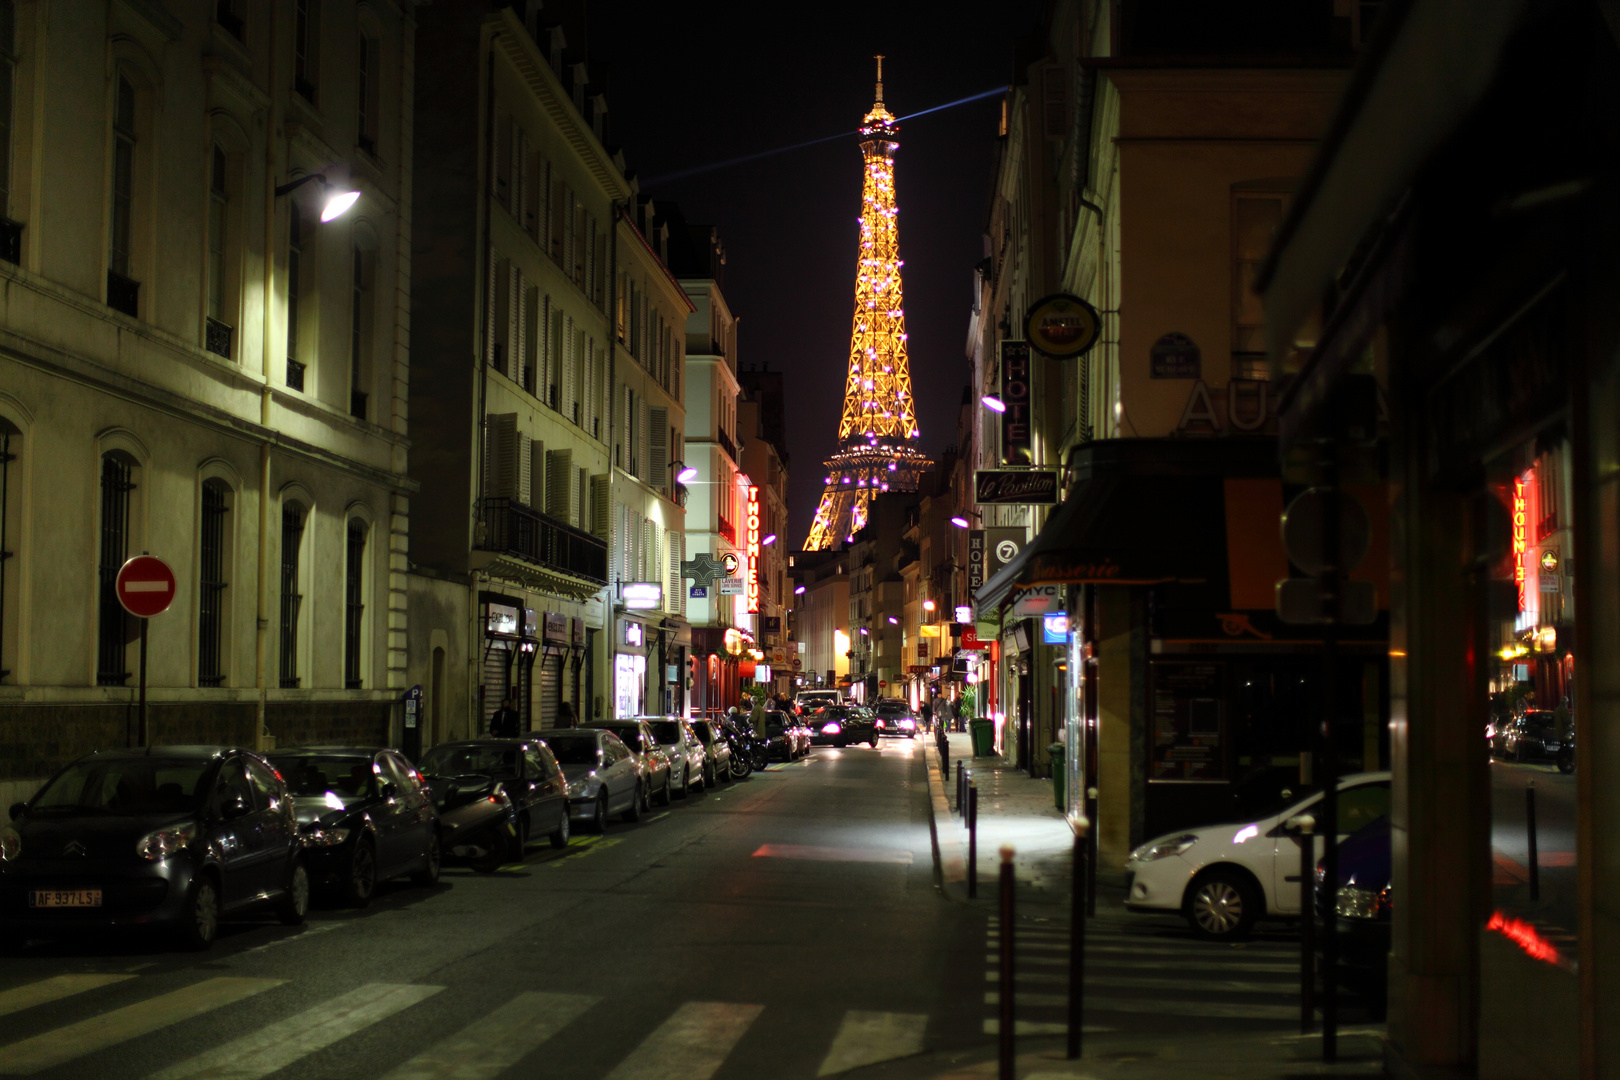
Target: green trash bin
x,y
984,737
1060,774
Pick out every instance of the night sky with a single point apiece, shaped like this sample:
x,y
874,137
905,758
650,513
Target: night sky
x,y
695,84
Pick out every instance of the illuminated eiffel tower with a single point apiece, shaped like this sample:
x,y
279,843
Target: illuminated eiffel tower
x,y
877,435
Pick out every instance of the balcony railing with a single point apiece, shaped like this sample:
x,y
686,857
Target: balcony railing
x,y
517,530
726,444
217,339
727,529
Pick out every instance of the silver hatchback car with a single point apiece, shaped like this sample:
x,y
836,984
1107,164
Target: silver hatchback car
x,y
687,758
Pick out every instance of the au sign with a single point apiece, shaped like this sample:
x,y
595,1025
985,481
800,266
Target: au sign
x,y
1248,407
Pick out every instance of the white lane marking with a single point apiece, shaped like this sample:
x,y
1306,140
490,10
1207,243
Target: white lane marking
x,y
691,1044
1211,986
489,1046
1043,1027
866,1038
813,853
655,817
1163,1007
53,1048
1152,950
301,935
53,989
1244,967
280,1044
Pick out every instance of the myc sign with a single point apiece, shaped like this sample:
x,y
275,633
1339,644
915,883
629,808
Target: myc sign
x,y
1033,600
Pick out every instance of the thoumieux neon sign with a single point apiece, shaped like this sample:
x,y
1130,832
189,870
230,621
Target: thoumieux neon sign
x,y
1519,539
753,550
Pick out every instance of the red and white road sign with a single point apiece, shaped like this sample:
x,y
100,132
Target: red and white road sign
x,y
145,586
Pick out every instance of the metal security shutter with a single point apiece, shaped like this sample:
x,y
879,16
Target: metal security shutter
x,y
497,669
550,689
525,690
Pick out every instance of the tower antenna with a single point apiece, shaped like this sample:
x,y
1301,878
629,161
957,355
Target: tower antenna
x,y
879,59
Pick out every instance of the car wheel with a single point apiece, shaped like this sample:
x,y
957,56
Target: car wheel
x,y
429,874
1566,761
1223,906
294,904
361,884
638,805
490,861
559,837
522,838
199,921
686,785
599,819
872,742
664,792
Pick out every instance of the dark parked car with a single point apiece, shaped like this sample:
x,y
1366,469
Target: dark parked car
x,y
364,816
175,836
841,725
1531,737
603,777
1365,909
651,760
525,772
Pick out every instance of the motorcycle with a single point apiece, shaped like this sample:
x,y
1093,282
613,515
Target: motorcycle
x,y
747,750
477,820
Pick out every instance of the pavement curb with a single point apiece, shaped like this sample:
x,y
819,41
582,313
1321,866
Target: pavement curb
x,y
950,864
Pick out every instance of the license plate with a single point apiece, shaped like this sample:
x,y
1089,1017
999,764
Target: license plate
x,y
65,898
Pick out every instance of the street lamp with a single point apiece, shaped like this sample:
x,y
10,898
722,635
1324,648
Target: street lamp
x,y
768,541
684,473
993,403
928,605
960,522
336,202
799,591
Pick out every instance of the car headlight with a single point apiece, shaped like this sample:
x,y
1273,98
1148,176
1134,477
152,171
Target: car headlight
x,y
908,725
324,837
583,788
1354,902
1163,849
10,844
159,845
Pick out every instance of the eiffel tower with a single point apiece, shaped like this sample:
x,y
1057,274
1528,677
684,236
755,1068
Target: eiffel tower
x,y
878,433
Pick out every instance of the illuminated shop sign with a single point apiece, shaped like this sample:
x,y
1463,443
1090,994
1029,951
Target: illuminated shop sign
x,y
1519,538
753,550
643,595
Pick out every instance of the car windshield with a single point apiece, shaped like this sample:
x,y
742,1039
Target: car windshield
x,y
461,760
666,731
348,776
146,785
573,751
630,736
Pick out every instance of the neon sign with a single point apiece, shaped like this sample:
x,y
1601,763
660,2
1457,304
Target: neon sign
x,y
1519,539
752,583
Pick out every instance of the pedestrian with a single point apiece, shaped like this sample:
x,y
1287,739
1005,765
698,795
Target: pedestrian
x,y
757,716
504,724
565,715
928,715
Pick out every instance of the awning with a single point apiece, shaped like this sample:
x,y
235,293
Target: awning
x,y
1140,512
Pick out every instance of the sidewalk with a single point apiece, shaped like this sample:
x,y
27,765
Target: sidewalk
x,y
1015,810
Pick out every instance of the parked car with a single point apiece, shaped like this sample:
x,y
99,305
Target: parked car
x,y
524,770
1534,736
651,760
1364,904
686,754
895,718
808,701
603,778
364,816
1222,878
716,751
842,725
176,837
780,743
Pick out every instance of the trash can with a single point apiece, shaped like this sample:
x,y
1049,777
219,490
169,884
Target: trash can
x,y
984,737
1060,775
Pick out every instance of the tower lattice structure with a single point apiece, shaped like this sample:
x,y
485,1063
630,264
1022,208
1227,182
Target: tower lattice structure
x,y
877,433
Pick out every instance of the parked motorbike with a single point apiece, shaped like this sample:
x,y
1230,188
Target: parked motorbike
x,y
477,820
747,750
1566,756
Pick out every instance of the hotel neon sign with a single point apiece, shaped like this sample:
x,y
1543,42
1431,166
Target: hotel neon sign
x,y
752,584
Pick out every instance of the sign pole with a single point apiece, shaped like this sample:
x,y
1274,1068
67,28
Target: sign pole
x,y
141,731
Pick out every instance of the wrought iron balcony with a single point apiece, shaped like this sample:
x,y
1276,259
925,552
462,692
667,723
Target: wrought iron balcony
x,y
218,339
525,533
726,444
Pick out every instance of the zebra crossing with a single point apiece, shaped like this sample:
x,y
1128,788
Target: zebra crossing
x,y
1137,974
693,1042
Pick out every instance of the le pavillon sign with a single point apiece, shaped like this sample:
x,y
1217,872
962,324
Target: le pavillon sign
x,y
1018,486
1015,425
1062,326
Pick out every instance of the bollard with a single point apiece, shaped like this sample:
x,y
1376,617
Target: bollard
x,y
1008,1063
1091,853
961,788
973,841
1530,835
1077,935
1305,826
944,760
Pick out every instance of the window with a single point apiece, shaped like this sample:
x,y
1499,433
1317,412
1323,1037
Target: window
x,y
10,235
354,607
359,333
211,582
306,39
367,94
123,293
10,441
295,286
228,18
217,339
292,542
112,632
1255,216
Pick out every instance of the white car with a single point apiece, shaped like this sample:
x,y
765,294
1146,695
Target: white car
x,y
684,750
1222,878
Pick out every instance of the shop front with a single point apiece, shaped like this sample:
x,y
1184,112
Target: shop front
x,y
716,668
507,659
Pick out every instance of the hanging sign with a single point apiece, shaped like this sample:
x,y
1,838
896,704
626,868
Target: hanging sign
x,y
1018,486
1062,326
1033,600
731,586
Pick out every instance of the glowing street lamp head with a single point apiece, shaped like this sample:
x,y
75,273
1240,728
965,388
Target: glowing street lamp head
x,y
993,403
960,522
686,475
338,203
768,541
928,605
799,591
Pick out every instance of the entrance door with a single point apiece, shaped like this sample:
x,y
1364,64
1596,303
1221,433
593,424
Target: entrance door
x,y
496,684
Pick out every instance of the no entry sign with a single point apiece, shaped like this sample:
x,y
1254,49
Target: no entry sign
x,y
145,586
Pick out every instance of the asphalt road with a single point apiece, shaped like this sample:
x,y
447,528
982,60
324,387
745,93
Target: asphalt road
x,y
781,926
1555,840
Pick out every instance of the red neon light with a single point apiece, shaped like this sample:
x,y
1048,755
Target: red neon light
x,y
1519,538
753,550
1525,937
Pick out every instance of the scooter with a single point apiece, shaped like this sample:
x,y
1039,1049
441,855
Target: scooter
x,y
477,820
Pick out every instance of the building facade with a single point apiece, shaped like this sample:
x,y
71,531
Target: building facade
x,y
194,364
762,436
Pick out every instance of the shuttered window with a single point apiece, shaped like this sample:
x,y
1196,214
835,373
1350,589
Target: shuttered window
x,y
112,631
292,542
211,583
354,608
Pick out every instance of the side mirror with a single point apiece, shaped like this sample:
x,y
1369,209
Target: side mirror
x,y
233,806
18,809
1300,825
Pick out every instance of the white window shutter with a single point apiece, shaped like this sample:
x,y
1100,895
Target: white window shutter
x,y
601,489
537,475
582,497
658,454
489,308
559,464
